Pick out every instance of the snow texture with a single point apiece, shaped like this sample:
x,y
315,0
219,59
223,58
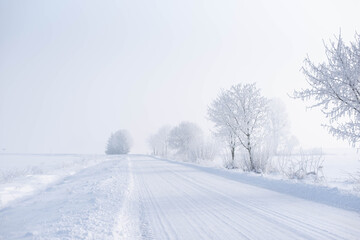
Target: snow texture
x,y
141,197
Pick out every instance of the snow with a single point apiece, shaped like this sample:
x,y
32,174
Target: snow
x,y
340,165
80,206
340,169
22,175
142,197
192,202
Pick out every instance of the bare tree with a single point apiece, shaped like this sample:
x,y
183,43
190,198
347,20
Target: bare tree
x,y
335,88
242,112
119,142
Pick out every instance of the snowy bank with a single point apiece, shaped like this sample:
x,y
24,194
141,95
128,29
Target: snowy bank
x,y
321,194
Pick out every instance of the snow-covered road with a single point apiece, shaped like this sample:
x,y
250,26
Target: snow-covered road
x,y
180,202
140,197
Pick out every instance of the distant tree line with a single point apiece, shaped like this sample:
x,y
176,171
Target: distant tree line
x,y
186,141
251,128
245,122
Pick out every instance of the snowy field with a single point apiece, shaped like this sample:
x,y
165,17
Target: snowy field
x,y
340,169
23,174
141,197
76,197
341,166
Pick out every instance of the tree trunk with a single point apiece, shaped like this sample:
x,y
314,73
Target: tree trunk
x,y
252,165
232,156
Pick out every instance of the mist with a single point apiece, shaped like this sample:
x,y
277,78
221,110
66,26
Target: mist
x,y
72,73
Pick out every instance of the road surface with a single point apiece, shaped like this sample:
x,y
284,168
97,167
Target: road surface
x,y
140,197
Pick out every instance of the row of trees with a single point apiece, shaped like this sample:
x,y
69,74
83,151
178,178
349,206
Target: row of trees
x,y
186,141
257,128
245,122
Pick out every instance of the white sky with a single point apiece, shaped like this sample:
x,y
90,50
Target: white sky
x,y
72,72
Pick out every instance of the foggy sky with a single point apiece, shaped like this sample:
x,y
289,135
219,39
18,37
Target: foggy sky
x,y
72,72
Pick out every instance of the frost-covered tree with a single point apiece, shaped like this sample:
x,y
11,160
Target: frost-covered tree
x,y
159,142
185,139
119,142
241,113
334,86
218,112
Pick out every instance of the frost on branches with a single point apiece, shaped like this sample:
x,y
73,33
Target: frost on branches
x,y
335,88
240,115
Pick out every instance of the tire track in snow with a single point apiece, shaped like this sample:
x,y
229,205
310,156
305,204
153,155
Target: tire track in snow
x,y
191,203
202,230
232,207
318,230
146,199
237,206
302,228
180,202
